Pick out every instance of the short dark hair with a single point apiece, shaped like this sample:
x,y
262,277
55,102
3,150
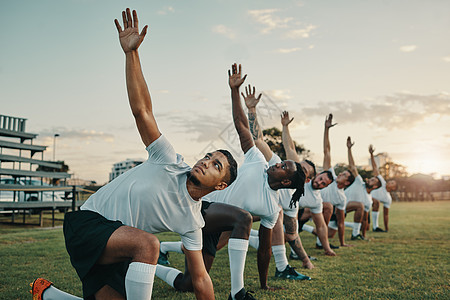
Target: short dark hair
x,y
232,165
379,183
350,177
312,165
298,183
329,174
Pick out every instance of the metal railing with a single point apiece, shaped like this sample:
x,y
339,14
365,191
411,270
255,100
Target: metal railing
x,y
12,123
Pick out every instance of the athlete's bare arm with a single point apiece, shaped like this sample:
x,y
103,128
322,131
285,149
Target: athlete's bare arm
x,y
235,80
203,287
372,161
326,142
322,233
251,101
138,93
351,163
288,143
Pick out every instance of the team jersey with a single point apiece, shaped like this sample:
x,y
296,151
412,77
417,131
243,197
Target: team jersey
x,y
382,194
333,194
357,192
153,196
251,191
312,199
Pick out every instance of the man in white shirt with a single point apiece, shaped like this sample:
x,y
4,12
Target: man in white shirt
x,y
110,240
381,195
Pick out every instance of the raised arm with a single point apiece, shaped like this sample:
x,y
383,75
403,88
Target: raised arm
x,y
326,142
235,80
351,163
372,160
138,94
251,101
288,143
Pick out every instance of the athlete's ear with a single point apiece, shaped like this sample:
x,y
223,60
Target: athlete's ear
x,y
222,185
286,182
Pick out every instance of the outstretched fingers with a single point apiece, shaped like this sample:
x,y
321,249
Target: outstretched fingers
x,y
119,28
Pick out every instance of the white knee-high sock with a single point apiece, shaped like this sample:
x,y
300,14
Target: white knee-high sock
x,y
356,227
167,274
237,252
374,219
279,254
139,281
170,247
52,293
318,242
254,232
254,241
308,228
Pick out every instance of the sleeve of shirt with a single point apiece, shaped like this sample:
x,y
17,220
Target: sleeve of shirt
x,y
161,151
254,155
383,182
274,159
269,221
332,172
192,240
318,209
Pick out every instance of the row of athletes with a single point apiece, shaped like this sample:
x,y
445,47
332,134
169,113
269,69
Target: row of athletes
x,y
111,241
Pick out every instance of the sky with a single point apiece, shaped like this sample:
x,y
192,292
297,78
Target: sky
x,y
381,67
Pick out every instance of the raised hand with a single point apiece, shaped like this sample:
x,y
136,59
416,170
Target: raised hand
x,y
329,121
129,37
250,100
285,121
349,142
235,78
371,149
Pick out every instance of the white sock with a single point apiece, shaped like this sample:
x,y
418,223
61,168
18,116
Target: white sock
x,y
333,225
254,232
237,252
349,224
279,254
139,281
293,253
52,293
254,241
374,219
356,229
318,242
167,274
308,228
170,247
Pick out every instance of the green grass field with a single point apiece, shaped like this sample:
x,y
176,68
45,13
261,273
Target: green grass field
x,y
412,261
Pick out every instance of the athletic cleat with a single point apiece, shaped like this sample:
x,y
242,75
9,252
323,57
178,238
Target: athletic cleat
x,y
294,256
378,229
358,237
242,295
331,246
163,259
38,287
290,273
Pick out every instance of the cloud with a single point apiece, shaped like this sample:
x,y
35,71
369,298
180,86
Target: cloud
x,y
290,50
408,48
76,134
302,33
223,30
269,20
166,10
446,58
401,110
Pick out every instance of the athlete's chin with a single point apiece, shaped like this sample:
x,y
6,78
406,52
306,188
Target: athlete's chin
x,y
192,177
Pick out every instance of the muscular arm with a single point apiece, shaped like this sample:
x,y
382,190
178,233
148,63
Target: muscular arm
x,y
251,101
295,242
326,143
240,120
351,163
203,287
138,93
322,233
264,254
372,161
288,143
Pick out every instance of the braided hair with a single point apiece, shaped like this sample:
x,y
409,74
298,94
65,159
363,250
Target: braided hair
x,y
298,183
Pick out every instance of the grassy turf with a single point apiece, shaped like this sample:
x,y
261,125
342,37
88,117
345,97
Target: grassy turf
x,y
412,261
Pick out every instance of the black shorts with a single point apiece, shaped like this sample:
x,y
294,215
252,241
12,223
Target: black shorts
x,y
211,239
86,234
333,216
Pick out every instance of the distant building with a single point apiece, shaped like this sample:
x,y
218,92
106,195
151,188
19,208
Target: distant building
x,y
122,167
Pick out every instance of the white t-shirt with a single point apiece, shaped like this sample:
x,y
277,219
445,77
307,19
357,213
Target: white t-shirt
x,y
311,199
153,197
382,194
333,194
357,192
251,191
